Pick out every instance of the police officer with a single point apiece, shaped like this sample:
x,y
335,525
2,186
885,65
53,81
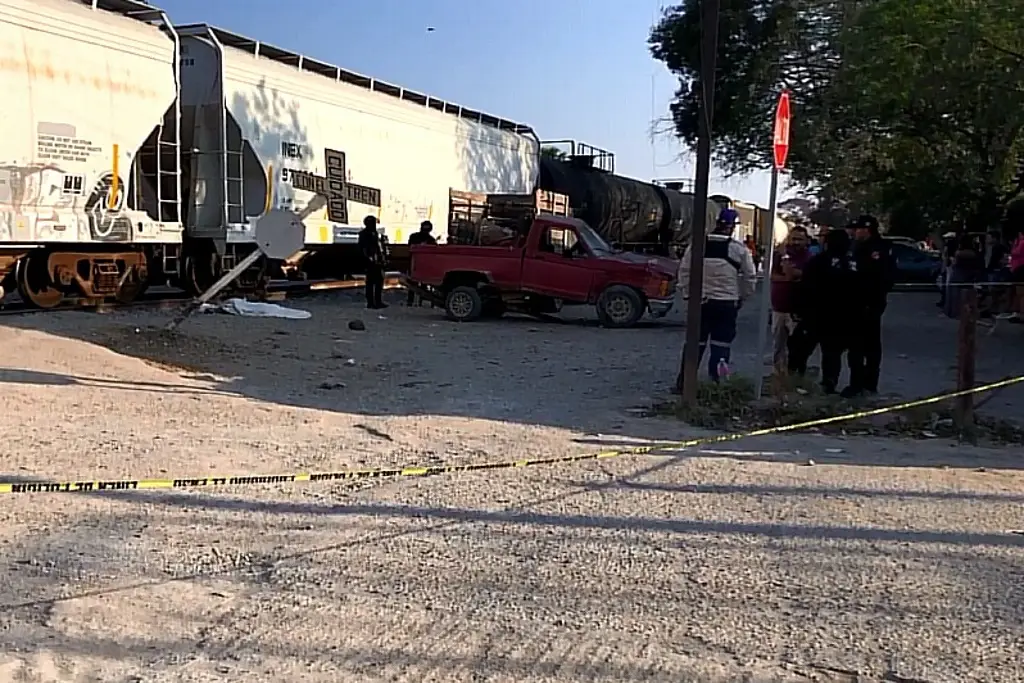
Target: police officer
x,y
372,250
421,237
828,294
729,278
875,275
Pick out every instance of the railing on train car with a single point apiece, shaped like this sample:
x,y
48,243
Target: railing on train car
x,y
582,154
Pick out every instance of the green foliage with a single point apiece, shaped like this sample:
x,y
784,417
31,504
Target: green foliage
x,y
719,405
763,46
729,406
914,108
553,153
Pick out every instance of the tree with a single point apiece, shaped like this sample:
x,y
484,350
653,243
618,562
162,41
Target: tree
x,y
796,207
943,106
830,212
900,106
763,45
553,153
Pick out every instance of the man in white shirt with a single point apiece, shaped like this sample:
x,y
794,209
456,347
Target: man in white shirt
x,y
729,279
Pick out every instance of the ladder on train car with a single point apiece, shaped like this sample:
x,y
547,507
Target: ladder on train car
x,y
234,183
165,175
168,171
160,167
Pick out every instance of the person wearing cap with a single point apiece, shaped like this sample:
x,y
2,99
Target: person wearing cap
x,y
421,237
372,250
875,278
729,279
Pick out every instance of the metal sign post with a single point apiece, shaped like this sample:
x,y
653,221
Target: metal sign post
x,y
781,149
279,234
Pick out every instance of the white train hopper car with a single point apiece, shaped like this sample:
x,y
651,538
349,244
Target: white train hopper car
x,y
89,156
268,128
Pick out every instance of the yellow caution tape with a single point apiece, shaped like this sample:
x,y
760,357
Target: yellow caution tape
x,y
976,285
93,486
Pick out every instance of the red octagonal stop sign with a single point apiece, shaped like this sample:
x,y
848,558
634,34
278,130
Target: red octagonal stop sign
x,y
781,140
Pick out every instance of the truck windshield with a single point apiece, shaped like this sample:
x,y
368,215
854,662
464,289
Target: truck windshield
x,y
594,242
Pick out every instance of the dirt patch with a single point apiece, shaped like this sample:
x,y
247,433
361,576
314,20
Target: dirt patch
x,y
720,564
167,350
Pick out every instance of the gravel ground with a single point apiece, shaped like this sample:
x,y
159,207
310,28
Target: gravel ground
x,y
737,563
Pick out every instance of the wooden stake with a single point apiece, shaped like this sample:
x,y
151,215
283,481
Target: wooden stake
x,y
965,357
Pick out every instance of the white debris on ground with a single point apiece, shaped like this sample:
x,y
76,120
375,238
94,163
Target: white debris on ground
x,y
255,309
737,562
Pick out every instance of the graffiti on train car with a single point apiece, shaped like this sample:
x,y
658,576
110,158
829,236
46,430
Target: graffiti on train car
x,y
334,185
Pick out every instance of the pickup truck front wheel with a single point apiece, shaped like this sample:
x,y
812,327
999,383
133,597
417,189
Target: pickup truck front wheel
x,y
464,304
619,306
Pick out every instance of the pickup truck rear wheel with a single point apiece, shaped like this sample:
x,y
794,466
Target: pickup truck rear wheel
x,y
620,306
464,304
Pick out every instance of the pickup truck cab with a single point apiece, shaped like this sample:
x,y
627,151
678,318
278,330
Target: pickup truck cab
x,y
558,261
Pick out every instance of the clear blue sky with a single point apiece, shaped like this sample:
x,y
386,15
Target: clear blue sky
x,y
570,68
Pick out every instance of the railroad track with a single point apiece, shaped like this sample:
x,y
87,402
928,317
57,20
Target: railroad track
x,y
172,298
169,298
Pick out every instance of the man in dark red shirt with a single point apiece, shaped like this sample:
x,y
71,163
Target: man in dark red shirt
x,y
786,272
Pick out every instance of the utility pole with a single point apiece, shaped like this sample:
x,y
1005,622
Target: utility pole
x,y
688,370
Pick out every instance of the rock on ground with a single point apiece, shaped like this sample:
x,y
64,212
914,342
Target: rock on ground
x,y
733,562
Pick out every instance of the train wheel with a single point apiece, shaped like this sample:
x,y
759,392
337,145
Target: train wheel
x,y
130,291
35,285
263,284
201,272
134,285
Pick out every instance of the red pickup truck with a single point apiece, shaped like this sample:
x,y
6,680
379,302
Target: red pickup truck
x,y
559,260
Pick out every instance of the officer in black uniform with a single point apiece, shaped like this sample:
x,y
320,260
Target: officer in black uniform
x,y
421,237
827,297
875,275
372,250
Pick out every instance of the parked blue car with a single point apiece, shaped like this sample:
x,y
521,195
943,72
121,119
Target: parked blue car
x,y
915,265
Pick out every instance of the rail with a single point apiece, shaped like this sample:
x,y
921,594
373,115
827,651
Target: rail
x,y
173,298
